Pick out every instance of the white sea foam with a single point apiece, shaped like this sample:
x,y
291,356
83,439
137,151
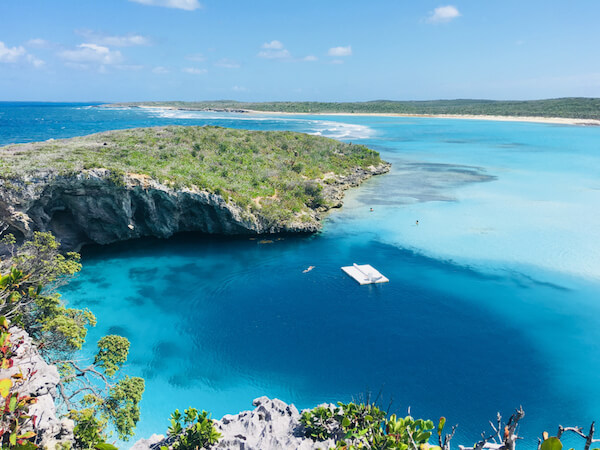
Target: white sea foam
x,y
327,128
339,130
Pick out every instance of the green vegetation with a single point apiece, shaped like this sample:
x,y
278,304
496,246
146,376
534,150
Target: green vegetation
x,y
191,431
319,423
14,415
364,425
29,278
94,396
276,172
572,107
554,442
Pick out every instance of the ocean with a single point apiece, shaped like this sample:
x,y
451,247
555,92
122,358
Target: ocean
x,y
493,300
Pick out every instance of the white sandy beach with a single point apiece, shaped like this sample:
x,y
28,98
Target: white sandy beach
x,y
533,119
553,120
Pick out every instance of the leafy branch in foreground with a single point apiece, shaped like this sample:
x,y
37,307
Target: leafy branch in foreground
x,y
29,278
364,425
95,398
554,442
93,395
191,430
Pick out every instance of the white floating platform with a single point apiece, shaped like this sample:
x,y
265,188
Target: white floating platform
x,y
365,274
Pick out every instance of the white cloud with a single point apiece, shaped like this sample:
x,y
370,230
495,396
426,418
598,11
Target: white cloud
x,y
17,54
194,71
337,61
38,43
273,45
130,67
11,54
188,5
36,62
340,51
227,64
274,50
92,53
127,40
274,54
196,57
310,58
239,89
160,70
443,14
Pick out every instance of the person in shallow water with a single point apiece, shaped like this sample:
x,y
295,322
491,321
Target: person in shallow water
x,y
417,223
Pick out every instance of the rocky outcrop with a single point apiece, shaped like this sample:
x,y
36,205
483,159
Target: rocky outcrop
x,y
40,381
272,425
94,206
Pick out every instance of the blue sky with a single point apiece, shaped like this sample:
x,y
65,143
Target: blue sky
x,y
324,50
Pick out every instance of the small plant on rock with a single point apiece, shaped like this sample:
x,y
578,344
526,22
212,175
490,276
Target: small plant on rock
x,y
16,425
191,430
318,423
361,423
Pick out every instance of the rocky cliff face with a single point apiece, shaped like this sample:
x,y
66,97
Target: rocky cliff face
x,y
40,382
94,207
272,425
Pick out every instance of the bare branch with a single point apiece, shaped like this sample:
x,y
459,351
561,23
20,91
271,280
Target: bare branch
x,y
576,430
510,431
445,445
412,441
83,389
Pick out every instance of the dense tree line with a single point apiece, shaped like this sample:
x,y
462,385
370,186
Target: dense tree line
x,y
571,107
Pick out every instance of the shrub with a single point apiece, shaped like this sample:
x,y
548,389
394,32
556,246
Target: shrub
x,y
192,430
318,423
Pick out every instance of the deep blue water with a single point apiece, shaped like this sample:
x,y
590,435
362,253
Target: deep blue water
x,y
492,303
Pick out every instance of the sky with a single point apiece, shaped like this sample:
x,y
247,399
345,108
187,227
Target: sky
x,y
318,50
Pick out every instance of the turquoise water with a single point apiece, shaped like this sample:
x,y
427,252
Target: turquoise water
x,y
493,299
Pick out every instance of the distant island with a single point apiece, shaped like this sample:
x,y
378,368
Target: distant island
x,y
578,110
118,185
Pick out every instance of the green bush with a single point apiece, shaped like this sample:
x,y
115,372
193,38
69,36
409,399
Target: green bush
x,y
318,423
365,425
191,430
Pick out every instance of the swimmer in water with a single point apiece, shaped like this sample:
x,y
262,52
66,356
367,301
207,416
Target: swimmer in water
x,y
309,269
417,222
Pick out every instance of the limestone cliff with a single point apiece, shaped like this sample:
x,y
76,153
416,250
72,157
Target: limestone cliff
x,y
93,207
41,380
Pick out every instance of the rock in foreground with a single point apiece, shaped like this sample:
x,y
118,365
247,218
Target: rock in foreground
x,y
272,425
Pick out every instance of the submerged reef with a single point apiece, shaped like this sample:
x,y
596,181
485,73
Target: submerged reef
x,y
119,185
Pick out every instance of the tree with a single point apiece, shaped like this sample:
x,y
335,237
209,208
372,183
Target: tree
x,y
95,395
30,277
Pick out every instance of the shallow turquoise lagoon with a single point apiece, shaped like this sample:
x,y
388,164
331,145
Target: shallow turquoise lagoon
x,y
493,300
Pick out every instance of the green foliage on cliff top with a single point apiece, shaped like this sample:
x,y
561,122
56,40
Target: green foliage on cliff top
x,y
570,107
240,164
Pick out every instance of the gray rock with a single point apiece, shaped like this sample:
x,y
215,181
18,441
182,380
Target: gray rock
x,y
90,208
272,425
40,381
145,444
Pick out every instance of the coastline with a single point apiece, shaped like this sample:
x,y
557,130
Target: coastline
x,y
530,119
